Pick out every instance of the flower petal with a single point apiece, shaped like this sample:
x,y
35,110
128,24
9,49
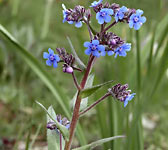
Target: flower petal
x,y
55,64
48,62
100,20
110,53
51,52
57,58
137,26
70,22
45,55
142,19
88,51
125,103
87,44
131,24
78,24
103,53
96,53
95,42
101,47
107,18
110,11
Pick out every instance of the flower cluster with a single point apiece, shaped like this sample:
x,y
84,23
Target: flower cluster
x,y
64,121
74,15
121,93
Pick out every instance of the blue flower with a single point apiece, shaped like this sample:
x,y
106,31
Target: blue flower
x,y
94,48
95,3
104,15
128,98
120,13
67,18
136,20
51,58
121,50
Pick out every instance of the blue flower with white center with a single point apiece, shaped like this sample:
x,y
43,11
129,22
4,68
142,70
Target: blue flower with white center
x,y
95,3
136,20
128,98
120,13
104,15
51,58
121,50
68,18
94,48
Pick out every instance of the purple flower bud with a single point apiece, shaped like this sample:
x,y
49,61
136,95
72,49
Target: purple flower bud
x,y
121,93
67,69
51,125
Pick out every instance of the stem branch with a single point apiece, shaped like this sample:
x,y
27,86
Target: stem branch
x,y
94,104
75,81
110,26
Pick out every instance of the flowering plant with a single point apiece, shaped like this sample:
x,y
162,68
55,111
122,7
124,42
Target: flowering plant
x,y
101,43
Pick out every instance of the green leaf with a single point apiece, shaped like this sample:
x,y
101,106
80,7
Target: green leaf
x,y
81,64
62,128
89,91
53,137
99,142
84,101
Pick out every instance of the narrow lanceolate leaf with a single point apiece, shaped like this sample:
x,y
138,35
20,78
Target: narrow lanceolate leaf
x,y
99,142
163,67
84,101
81,64
53,137
89,91
62,128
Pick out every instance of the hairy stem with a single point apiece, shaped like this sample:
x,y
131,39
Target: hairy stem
x,y
75,116
94,104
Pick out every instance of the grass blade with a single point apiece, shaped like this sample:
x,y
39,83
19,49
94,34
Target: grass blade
x,y
99,142
81,64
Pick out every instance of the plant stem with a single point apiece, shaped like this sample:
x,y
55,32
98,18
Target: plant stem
x,y
75,81
60,141
75,116
110,26
83,82
94,104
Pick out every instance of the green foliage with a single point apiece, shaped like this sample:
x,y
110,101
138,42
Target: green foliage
x,y
62,128
90,90
53,137
97,143
37,26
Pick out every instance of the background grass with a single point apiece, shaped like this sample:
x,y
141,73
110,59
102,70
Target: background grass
x,y
37,25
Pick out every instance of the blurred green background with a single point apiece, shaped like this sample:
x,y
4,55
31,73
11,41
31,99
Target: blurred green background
x,y
37,25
